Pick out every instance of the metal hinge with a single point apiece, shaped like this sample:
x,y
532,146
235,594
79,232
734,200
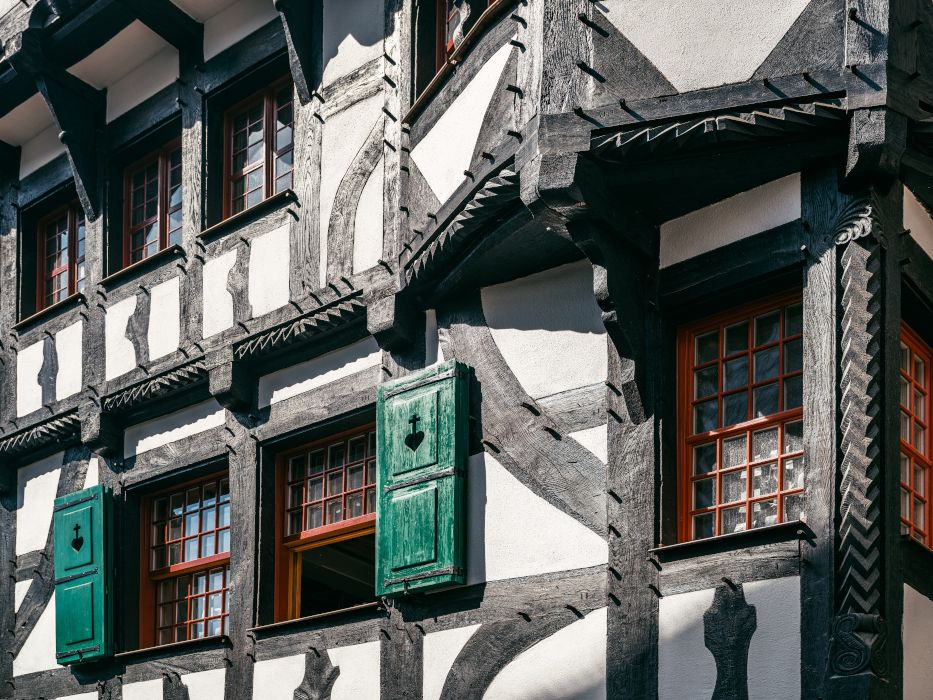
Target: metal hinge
x,y
449,571
73,577
79,652
452,471
62,506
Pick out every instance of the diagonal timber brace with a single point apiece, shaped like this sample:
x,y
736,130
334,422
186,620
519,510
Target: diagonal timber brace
x,y
301,21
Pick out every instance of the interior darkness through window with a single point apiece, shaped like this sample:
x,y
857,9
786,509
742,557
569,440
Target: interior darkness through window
x,y
338,575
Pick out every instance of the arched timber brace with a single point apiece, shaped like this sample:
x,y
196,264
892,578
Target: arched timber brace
x,y
301,21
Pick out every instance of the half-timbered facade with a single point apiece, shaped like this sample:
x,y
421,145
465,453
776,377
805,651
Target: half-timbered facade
x,y
466,348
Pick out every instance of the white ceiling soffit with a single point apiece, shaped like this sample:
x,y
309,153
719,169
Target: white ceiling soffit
x,y
127,50
23,122
202,10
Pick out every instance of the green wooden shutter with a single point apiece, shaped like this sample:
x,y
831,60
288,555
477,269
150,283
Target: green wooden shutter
x,y
422,435
83,526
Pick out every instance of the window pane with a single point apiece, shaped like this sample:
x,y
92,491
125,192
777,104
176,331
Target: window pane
x,y
354,505
735,408
793,473
765,444
704,458
764,480
766,364
733,486
705,416
707,347
334,511
737,338
706,382
733,520
767,328
704,525
793,436
736,373
793,507
793,392
357,448
223,541
764,513
355,478
766,400
704,493
793,320
207,545
734,452
793,356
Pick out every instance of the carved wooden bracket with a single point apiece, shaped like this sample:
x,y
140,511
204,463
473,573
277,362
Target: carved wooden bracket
x,y
393,322
100,431
229,382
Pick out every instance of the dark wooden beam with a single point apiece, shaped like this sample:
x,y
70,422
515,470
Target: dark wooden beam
x,y
172,24
301,20
9,161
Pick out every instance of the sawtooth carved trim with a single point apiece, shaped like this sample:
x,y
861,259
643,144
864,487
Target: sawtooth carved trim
x,y
178,379
63,429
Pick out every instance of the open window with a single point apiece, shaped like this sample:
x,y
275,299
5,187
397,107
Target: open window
x,y
916,453
740,419
186,562
152,197
326,524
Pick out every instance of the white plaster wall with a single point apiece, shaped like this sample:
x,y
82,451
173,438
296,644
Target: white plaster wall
x,y
353,32
142,82
39,150
7,5
432,348
164,319
28,390
120,353
917,220
235,22
318,371
568,665
161,431
38,651
445,151
20,590
681,646
359,671
69,350
36,487
80,696
218,302
918,653
143,690
549,330
703,43
740,216
277,679
595,440
92,476
344,135
368,229
205,685
440,652
268,286
500,544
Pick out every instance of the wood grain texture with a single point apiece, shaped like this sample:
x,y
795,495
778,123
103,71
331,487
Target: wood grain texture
x,y
564,85
814,42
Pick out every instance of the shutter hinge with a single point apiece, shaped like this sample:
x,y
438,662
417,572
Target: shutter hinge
x,y
62,506
449,571
73,577
452,372
79,652
452,471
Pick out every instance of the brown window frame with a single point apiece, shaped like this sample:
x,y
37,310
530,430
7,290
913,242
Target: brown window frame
x,y
689,439
292,545
917,457
444,46
162,160
267,96
73,212
151,579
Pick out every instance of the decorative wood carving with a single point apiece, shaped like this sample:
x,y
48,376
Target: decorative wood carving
x,y
58,430
320,676
728,627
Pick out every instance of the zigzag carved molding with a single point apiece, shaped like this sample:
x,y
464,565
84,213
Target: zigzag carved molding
x,y
62,429
173,381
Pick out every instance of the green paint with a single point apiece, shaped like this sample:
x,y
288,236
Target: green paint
x,y
422,435
83,527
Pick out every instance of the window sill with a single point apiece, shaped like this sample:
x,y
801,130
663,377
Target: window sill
x,y
220,641
254,212
143,265
375,606
490,14
917,561
782,532
48,312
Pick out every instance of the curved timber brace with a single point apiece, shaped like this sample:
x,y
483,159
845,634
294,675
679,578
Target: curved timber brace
x,y
77,108
301,22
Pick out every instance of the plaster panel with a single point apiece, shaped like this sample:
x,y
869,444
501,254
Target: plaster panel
x,y
352,34
440,652
38,651
236,21
130,48
25,120
681,646
774,652
142,82
277,679
69,350
432,349
918,657
703,43
164,319
445,151
80,696
918,221
29,361
144,690
318,371
217,313
19,592
499,542
568,665
42,148
7,5
202,10
345,133
549,330
120,353
92,476
368,230
36,487
595,440
189,421
205,685
740,216
268,271
359,671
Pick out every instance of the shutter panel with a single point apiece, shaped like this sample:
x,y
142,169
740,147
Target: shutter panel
x,y
83,526
422,435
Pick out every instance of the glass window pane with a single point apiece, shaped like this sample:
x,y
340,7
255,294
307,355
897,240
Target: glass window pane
x,y
734,452
317,462
315,517
793,356
793,473
793,320
905,358
737,338
905,504
334,511
765,444
207,545
764,513
736,373
766,364
296,468
334,483
767,328
337,456
705,416
355,478
224,512
316,489
733,486
707,347
793,507
764,480
704,458
704,493
766,400
793,436
733,520
704,526
905,469
354,505
735,408
706,382
191,523
193,499
223,541
793,392
358,449
191,549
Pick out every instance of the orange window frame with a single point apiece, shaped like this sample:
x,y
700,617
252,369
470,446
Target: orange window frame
x,y
444,44
165,169
703,455
73,267
272,153
290,546
151,578
916,441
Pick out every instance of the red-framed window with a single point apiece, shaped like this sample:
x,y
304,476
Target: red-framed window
x,y
916,457
450,15
740,419
61,240
152,195
259,148
326,499
186,567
